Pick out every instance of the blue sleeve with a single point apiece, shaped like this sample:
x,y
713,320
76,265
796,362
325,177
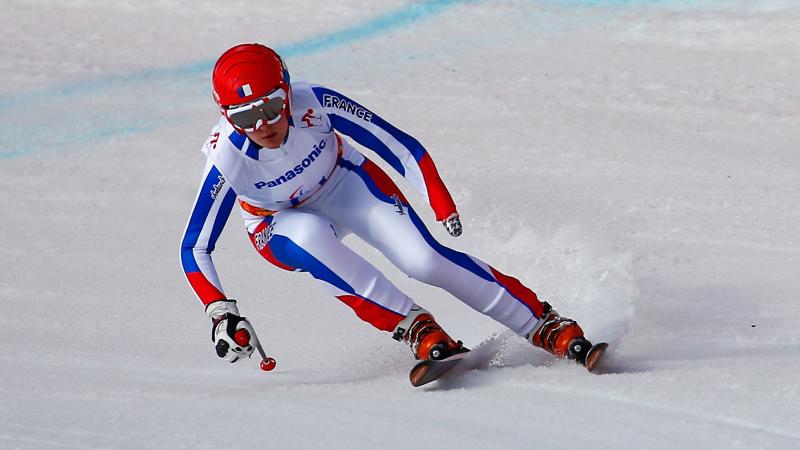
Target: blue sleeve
x,y
212,207
400,150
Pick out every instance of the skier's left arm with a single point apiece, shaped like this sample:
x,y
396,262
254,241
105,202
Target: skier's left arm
x,y
404,153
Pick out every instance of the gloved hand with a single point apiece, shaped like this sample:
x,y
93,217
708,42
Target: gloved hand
x,y
233,336
453,225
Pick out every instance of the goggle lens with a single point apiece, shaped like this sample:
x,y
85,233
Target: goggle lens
x,y
251,115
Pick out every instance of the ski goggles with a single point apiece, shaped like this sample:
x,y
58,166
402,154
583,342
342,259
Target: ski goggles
x,y
251,116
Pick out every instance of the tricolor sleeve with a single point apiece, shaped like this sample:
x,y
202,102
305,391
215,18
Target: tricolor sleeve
x,y
404,153
211,210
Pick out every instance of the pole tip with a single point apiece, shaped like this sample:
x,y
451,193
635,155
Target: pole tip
x,y
268,364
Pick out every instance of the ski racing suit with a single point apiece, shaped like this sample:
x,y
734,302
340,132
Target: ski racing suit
x,y
298,201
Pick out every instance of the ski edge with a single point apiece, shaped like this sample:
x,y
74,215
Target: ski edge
x,y
595,355
420,373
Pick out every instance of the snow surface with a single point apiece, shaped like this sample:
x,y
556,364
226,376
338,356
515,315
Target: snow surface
x,y
634,162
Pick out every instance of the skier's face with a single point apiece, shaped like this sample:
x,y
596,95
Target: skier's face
x,y
270,136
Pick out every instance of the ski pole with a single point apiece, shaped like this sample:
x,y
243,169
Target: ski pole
x,y
267,362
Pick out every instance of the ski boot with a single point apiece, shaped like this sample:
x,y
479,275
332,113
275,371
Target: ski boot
x,y
564,338
425,337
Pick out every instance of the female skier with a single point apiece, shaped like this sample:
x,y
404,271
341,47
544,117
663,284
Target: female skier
x,y
278,151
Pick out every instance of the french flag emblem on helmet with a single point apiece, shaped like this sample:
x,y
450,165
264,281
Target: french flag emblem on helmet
x,y
244,91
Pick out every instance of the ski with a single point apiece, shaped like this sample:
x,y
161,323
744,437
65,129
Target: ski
x,y
429,370
594,356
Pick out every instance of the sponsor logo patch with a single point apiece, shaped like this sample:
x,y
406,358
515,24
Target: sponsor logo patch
x,y
399,206
296,170
217,187
310,119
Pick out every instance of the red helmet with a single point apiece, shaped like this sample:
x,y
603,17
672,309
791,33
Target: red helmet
x,y
247,72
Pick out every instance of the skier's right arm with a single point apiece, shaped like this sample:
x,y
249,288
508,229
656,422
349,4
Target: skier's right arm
x,y
232,335
212,206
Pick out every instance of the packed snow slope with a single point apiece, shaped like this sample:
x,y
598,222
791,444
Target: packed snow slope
x,y
635,162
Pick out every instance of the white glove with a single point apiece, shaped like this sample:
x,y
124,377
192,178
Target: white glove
x,y
233,336
453,225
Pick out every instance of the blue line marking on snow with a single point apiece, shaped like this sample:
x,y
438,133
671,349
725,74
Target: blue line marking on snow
x,y
123,105
104,122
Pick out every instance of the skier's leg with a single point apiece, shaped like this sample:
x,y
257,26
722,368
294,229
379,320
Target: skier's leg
x,y
306,241
375,209
378,213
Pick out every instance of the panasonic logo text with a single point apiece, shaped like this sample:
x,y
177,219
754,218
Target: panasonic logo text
x,y
296,170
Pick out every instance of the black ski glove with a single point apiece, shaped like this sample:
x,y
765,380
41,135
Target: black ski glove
x,y
453,225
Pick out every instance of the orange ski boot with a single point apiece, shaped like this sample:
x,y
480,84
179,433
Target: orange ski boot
x,y
564,338
425,337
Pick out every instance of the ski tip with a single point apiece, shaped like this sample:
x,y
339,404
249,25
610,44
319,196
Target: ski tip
x,y
417,376
429,370
595,355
